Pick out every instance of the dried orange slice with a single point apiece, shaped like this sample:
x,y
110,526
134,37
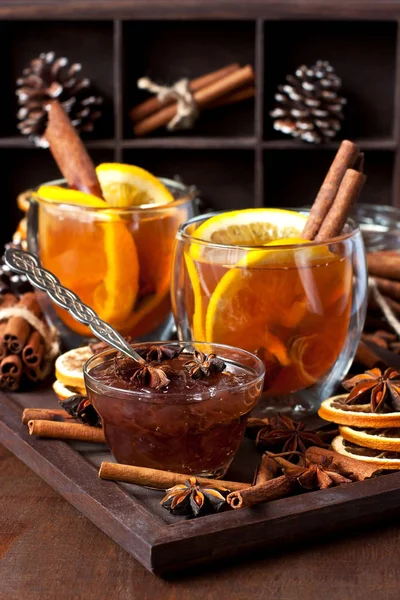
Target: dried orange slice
x,y
330,411
382,462
127,185
387,438
69,367
63,392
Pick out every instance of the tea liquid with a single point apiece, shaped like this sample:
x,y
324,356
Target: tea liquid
x,y
294,313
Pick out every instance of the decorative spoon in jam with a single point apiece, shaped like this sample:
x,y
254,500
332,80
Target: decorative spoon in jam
x,y
30,265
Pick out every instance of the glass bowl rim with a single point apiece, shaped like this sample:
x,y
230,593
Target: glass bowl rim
x,y
157,395
355,229
191,196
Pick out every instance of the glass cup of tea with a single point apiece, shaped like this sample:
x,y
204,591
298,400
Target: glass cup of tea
x,y
118,260
195,425
299,307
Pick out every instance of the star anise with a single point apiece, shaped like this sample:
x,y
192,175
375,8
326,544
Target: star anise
x,y
204,365
191,499
82,409
153,375
380,389
159,353
321,475
282,434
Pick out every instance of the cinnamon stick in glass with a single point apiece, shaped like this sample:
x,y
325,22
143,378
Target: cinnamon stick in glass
x,y
45,414
158,479
69,152
152,105
236,80
18,329
348,192
66,431
264,492
345,158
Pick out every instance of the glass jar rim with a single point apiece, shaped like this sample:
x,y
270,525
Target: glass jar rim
x,y
184,235
191,196
258,371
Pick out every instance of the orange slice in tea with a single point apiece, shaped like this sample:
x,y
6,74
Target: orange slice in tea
x,y
125,186
61,195
96,258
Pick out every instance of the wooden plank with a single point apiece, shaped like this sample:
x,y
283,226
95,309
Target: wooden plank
x,y
163,547
199,9
106,504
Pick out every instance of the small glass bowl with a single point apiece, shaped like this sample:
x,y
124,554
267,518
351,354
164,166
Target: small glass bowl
x,y
194,432
380,226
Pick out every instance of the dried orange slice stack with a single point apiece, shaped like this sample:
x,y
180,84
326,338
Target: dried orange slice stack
x,y
369,431
69,372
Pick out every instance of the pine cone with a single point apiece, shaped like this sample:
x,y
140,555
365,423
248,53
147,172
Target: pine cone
x,y
308,105
46,78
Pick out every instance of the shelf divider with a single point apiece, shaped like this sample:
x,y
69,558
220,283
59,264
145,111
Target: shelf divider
x,y
117,85
259,114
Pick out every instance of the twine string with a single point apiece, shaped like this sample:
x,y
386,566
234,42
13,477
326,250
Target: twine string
x,y
186,108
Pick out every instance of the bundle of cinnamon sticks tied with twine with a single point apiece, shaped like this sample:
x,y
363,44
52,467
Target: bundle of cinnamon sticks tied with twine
x,y
178,106
27,345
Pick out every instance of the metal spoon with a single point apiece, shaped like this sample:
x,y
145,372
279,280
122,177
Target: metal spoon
x,y
39,277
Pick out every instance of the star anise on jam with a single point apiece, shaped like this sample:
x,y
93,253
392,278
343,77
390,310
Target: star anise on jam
x,y
380,389
281,434
80,408
319,475
204,365
151,375
159,353
191,499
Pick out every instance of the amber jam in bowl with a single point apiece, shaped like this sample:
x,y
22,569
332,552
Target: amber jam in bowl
x,y
193,425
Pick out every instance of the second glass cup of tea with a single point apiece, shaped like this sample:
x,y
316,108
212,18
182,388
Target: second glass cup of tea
x,y
300,308
118,260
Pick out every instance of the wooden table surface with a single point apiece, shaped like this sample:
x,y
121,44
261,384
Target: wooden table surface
x,y
49,551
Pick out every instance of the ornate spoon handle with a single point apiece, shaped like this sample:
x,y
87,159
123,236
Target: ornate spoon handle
x,y
39,277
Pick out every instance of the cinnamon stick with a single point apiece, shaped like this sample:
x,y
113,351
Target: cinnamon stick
x,y
264,492
384,265
157,479
348,192
10,372
360,470
233,81
345,158
69,152
7,300
66,431
233,97
365,356
18,329
152,105
45,414
33,351
266,470
3,347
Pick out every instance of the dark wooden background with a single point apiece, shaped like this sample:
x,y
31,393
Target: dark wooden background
x,y
233,154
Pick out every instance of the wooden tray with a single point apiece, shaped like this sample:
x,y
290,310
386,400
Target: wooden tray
x,y
132,516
